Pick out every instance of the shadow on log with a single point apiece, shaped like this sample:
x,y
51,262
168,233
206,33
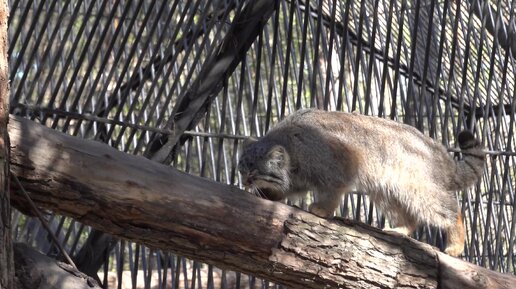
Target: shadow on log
x,y
146,202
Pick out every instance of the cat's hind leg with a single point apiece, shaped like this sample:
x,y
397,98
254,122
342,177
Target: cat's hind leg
x,y
396,212
444,213
455,235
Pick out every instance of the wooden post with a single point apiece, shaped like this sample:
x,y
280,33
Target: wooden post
x,y
6,251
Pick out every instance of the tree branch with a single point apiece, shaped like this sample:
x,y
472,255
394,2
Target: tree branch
x,y
37,271
193,104
137,199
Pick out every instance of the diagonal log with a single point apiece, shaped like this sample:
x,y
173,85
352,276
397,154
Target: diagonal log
x,y
245,27
146,202
192,106
100,244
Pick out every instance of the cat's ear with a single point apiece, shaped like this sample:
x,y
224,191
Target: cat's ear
x,y
278,154
248,141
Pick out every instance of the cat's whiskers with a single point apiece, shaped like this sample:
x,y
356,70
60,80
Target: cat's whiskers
x,y
255,190
260,193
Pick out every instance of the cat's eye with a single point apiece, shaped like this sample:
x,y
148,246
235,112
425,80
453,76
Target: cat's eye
x,y
277,162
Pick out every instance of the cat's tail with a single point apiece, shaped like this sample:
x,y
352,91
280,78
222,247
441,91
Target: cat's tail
x,y
470,167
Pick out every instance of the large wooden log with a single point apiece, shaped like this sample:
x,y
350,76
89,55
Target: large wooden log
x,y
137,199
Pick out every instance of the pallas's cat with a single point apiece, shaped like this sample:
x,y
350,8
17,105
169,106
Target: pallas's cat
x,y
408,175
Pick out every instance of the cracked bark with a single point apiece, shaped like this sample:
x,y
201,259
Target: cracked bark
x,y
146,202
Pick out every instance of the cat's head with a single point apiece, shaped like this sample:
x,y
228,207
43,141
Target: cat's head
x,y
265,169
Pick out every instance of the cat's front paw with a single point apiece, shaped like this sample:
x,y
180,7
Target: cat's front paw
x,y
454,250
319,211
400,230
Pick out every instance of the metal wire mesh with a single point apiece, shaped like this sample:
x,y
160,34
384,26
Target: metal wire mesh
x,y
116,71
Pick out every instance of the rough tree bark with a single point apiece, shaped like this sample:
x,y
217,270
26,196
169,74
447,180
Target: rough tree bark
x,y
137,199
6,251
